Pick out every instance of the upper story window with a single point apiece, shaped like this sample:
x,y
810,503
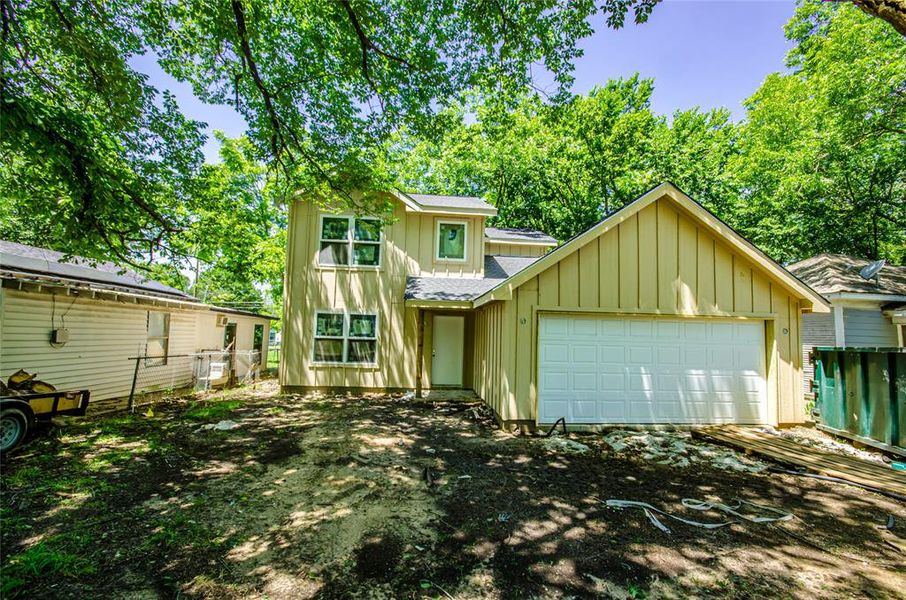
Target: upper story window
x,y
451,240
350,241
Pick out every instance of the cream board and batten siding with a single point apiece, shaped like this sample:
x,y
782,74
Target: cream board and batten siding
x,y
408,248
504,249
103,335
657,262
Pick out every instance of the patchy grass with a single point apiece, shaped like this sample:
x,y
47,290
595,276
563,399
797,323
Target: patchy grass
x,y
42,560
328,498
212,410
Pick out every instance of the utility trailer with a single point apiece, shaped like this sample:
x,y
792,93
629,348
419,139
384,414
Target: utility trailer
x,y
19,413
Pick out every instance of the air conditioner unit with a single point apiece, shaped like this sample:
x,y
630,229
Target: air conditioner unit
x,y
222,320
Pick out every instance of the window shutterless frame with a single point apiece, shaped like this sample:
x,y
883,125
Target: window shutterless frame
x,y
465,240
347,338
158,337
349,243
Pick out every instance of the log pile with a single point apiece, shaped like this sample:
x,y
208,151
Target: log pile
x,y
22,382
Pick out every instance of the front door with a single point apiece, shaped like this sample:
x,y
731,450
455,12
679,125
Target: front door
x,y
447,342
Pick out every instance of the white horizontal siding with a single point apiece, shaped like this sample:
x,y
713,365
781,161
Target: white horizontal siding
x,y
103,335
868,328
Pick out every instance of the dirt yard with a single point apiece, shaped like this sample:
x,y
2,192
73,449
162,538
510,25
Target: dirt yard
x,y
392,498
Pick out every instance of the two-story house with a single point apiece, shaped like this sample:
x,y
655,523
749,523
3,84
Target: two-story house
x,y
659,313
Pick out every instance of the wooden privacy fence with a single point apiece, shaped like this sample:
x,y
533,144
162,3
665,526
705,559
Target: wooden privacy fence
x,y
860,393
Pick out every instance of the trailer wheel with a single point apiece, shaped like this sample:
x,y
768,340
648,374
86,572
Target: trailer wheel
x,y
13,428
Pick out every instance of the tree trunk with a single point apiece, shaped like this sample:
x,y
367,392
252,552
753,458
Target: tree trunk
x,y
892,11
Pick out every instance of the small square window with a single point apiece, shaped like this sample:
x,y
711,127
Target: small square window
x,y
451,241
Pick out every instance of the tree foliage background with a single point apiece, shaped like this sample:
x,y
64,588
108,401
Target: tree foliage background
x,y
817,165
428,95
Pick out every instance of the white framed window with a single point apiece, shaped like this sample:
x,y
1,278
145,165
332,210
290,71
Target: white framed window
x,y
158,346
345,338
347,241
451,241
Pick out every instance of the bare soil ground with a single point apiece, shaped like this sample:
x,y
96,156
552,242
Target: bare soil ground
x,y
329,498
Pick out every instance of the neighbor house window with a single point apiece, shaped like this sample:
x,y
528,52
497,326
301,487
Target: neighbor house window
x,y
345,338
158,338
350,241
451,240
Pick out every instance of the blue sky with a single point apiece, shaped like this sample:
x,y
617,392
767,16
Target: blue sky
x,y
706,53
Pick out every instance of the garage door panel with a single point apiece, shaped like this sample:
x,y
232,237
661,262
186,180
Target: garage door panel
x,y
640,355
584,353
584,382
634,370
554,353
584,327
612,355
668,329
721,332
641,382
555,381
608,328
612,382
641,329
694,356
695,330
669,355
721,358
585,409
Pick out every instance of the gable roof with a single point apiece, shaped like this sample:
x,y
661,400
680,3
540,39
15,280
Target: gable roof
x,y
504,290
496,269
29,260
518,236
839,274
445,205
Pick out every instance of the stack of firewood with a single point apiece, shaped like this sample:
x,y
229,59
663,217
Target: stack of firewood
x,y
22,382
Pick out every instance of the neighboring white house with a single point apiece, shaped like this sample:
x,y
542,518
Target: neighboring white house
x,y
866,312
78,324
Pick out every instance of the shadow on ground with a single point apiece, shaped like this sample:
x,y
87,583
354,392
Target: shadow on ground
x,y
382,497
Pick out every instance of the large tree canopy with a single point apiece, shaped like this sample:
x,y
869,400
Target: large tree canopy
x,y
102,162
823,157
561,167
818,165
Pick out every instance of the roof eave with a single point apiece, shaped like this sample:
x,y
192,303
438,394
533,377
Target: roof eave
x,y
447,304
547,244
412,205
866,297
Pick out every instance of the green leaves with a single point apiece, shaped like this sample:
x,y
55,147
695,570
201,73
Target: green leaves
x,y
823,158
561,167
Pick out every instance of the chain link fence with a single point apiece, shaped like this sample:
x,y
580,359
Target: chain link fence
x,y
155,376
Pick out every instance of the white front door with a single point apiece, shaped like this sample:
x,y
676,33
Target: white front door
x,y
595,369
446,353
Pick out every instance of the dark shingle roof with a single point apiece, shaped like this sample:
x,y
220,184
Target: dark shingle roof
x,y
503,234
839,273
19,260
496,269
438,202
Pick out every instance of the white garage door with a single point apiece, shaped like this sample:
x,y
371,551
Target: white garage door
x,y
596,369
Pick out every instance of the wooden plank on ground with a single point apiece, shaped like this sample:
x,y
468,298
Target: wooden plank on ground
x,y
818,461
